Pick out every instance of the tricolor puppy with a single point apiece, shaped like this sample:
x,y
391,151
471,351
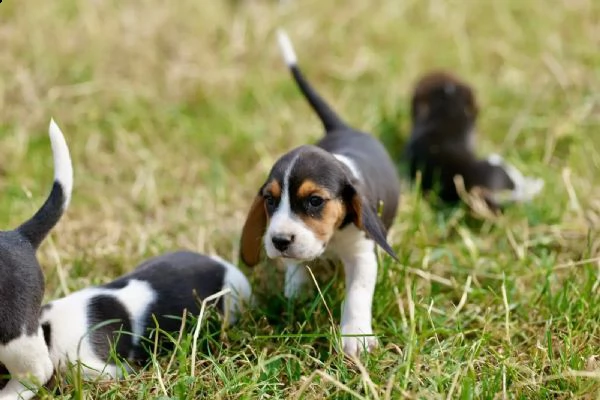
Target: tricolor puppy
x,y
327,198
86,325
22,348
442,146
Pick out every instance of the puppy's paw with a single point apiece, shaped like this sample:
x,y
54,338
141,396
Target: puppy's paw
x,y
354,344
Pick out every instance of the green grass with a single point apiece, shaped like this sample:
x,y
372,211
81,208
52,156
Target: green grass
x,y
175,112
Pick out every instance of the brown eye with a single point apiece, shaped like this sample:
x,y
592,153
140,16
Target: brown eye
x,y
315,201
269,200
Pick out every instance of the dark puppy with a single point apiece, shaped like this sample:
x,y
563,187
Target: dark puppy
x,y
442,145
84,326
22,348
326,198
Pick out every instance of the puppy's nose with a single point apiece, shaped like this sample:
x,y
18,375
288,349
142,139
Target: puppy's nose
x,y
282,242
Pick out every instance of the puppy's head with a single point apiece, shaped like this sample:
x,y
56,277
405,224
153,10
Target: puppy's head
x,y
308,195
441,98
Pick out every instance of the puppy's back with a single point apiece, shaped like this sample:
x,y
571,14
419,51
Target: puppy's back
x,y
124,309
182,280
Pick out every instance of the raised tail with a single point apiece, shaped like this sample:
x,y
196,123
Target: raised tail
x,y
36,229
328,117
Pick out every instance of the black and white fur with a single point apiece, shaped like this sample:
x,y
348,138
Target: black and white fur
x,y
22,348
324,200
84,326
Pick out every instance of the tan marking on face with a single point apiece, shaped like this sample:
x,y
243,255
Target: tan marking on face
x,y
309,188
332,214
273,188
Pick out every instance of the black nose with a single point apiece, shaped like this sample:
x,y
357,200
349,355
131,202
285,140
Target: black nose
x,y
282,242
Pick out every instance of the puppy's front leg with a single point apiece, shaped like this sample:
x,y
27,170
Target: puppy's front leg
x,y
360,266
296,278
26,357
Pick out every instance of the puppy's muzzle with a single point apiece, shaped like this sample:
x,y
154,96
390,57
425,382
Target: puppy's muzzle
x,y
282,242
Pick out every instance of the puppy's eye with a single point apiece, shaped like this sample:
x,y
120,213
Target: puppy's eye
x,y
315,201
269,200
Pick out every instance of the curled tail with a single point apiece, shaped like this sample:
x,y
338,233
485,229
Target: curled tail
x,y
328,117
36,229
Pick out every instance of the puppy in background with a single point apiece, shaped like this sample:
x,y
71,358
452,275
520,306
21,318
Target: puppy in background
x,y
325,200
22,348
442,146
84,326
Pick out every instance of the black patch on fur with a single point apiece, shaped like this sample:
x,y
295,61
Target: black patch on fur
x,y
4,376
21,287
47,329
181,281
106,335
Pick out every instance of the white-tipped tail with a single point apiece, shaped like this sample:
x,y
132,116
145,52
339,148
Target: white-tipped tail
x,y
526,188
287,50
63,168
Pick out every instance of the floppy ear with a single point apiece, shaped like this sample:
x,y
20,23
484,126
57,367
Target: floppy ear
x,y
253,231
366,219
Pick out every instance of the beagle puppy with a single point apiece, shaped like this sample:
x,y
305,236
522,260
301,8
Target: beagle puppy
x,y
84,326
337,198
23,351
442,146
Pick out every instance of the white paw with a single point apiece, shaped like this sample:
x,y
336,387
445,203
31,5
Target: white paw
x,y
353,344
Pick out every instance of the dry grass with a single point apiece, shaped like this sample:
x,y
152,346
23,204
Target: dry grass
x,y
175,112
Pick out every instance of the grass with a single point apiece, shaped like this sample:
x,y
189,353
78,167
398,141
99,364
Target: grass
x,y
175,111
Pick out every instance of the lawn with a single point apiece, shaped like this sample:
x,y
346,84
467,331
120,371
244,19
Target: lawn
x,y
175,112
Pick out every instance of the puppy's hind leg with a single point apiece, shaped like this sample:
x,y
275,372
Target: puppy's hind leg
x,y
28,361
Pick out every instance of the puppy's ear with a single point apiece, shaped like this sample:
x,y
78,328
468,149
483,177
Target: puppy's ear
x,y
253,231
365,217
